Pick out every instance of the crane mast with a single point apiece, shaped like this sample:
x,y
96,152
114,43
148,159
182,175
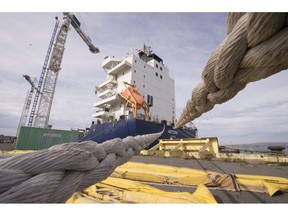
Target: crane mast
x,y
42,75
27,104
46,98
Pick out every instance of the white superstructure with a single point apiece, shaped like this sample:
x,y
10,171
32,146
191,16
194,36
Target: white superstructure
x,y
147,72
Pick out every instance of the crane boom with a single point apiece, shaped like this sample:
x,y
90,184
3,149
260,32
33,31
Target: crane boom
x,y
76,24
45,104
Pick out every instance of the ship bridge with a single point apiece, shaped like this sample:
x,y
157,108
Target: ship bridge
x,y
114,66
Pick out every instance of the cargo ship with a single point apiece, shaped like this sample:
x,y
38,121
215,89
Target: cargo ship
x,y
137,97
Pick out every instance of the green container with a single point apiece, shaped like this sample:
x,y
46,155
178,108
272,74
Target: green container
x,y
42,138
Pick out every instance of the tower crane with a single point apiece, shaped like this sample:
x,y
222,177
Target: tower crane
x,y
27,103
42,75
52,72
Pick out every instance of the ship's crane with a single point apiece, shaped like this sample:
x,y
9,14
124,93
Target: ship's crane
x,y
52,72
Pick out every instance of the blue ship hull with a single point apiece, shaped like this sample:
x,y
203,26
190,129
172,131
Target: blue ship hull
x,y
132,127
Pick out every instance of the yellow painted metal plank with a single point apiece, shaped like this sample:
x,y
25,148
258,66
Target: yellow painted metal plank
x,y
127,191
186,176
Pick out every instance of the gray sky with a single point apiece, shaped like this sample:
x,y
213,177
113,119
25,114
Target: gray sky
x,y
183,40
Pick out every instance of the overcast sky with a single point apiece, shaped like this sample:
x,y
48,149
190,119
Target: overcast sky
x,y
183,40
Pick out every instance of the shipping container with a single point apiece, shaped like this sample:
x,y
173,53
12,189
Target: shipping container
x,y
42,138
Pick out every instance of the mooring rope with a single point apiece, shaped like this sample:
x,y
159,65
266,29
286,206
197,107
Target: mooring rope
x,y
256,47
53,175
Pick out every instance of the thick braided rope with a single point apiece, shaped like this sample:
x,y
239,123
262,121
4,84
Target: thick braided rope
x,y
53,175
256,47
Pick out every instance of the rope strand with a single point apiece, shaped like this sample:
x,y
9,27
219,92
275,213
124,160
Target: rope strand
x,y
53,175
256,47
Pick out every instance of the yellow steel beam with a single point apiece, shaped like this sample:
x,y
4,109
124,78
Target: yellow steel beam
x,y
209,144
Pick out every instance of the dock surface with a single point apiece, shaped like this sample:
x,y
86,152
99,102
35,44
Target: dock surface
x,y
222,196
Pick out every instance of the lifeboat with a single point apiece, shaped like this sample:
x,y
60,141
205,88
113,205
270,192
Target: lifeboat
x,y
132,96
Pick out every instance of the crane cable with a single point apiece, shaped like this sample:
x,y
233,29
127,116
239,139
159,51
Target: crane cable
x,y
256,47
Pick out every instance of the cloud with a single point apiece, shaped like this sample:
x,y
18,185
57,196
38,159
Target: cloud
x,y
8,124
257,114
